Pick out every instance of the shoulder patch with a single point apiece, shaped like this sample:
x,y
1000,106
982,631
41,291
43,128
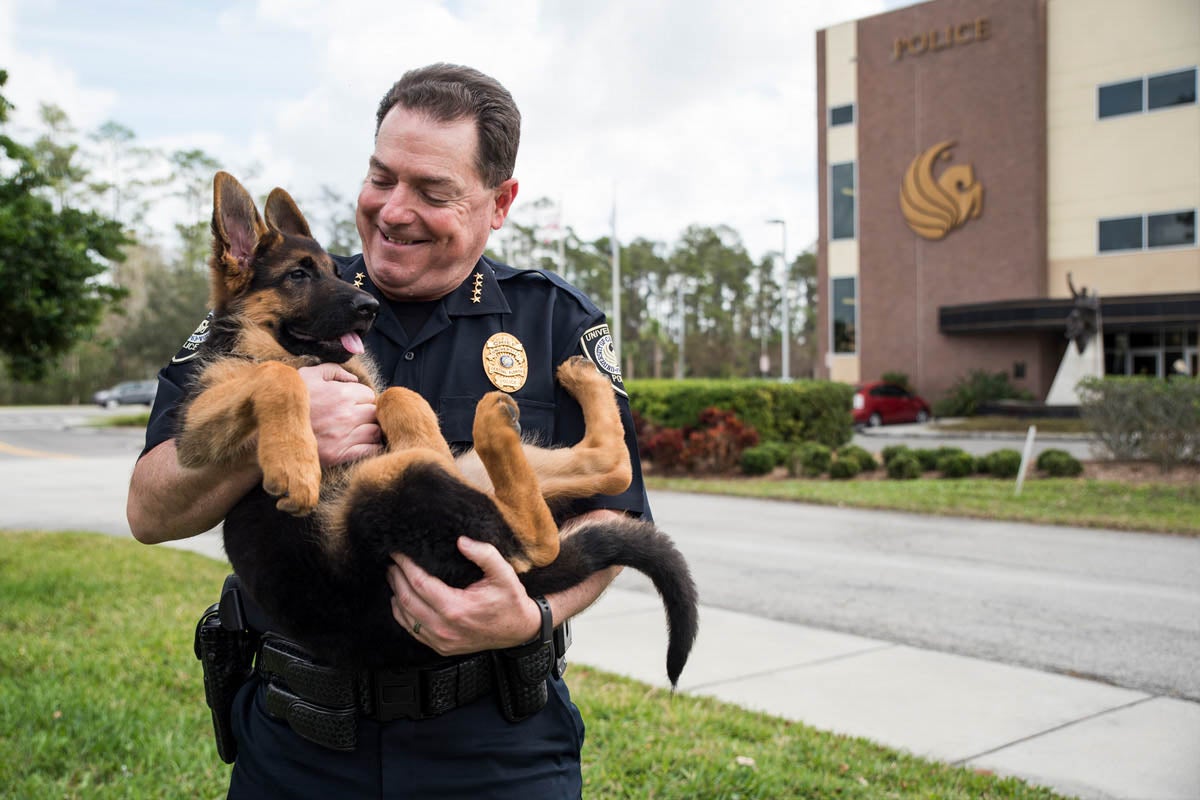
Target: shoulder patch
x,y
192,346
597,344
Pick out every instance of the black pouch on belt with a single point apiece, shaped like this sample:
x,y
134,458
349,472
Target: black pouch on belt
x,y
521,674
226,656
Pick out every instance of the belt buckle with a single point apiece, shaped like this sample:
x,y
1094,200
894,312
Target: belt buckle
x,y
397,694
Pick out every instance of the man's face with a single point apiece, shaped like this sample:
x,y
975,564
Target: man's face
x,y
424,214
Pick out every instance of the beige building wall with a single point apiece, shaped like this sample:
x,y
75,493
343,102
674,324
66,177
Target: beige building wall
x,y
1124,165
841,87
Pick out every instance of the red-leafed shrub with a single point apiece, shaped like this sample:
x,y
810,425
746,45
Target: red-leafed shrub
x,y
713,445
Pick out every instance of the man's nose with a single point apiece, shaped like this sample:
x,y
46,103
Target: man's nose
x,y
398,207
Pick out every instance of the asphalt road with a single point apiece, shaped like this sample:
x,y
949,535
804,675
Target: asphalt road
x,y
1114,606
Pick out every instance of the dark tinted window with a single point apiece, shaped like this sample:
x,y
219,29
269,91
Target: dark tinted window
x,y
845,315
1171,230
1174,89
841,206
841,115
1121,234
1121,98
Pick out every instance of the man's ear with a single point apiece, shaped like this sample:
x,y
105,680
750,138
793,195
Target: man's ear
x,y
504,195
284,216
237,231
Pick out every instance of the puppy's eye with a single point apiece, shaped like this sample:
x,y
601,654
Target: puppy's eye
x,y
298,274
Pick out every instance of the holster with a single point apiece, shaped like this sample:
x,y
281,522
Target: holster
x,y
226,653
521,674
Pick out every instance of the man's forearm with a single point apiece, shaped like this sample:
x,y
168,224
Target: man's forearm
x,y
569,602
168,501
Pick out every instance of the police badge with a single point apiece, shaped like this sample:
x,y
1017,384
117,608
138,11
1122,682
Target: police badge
x,y
505,362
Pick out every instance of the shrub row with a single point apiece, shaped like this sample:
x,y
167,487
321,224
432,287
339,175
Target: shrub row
x,y
812,459
1144,418
792,412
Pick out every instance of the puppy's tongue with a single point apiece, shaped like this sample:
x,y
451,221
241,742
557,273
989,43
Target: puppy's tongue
x,y
351,343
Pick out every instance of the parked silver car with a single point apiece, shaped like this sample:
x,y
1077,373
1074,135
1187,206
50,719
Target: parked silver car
x,y
127,393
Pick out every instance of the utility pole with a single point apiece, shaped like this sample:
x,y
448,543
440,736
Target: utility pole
x,y
616,282
785,355
679,363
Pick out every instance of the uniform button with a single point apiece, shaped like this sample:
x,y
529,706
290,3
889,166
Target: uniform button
x,y
409,356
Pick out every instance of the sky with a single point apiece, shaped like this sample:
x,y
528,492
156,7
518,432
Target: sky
x,y
679,112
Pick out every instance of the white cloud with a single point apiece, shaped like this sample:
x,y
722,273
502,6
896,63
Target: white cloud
x,y
693,112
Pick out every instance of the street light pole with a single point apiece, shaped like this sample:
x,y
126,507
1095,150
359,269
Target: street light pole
x,y
785,355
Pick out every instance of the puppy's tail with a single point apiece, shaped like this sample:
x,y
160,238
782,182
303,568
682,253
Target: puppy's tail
x,y
598,544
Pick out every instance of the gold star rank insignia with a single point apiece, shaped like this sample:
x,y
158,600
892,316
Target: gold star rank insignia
x,y
358,279
477,292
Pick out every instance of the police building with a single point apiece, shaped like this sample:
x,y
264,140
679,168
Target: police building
x,y
984,165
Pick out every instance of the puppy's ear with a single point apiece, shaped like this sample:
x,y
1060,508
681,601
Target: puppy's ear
x,y
237,232
284,216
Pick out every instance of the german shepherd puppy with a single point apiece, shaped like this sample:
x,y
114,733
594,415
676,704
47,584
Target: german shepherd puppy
x,y
312,546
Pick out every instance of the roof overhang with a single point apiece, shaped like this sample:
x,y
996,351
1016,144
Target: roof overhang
x,y
1050,314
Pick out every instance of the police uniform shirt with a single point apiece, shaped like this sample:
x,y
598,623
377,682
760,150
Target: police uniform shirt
x,y
444,360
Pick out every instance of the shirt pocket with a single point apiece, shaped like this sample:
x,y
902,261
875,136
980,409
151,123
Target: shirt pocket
x,y
456,415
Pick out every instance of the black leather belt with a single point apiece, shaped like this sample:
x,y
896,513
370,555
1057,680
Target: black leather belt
x,y
323,703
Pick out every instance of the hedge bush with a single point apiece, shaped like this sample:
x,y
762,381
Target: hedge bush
x,y
975,389
758,460
844,469
893,450
810,459
1004,463
927,458
792,412
904,466
779,451
1144,418
866,461
1059,464
713,445
956,465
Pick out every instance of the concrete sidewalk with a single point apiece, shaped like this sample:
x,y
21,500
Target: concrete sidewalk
x,y
1076,736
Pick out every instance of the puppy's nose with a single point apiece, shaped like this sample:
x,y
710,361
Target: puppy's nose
x,y
366,306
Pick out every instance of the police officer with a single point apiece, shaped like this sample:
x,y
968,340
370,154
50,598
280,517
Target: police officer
x,y
439,180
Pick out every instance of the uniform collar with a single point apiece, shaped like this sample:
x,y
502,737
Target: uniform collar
x,y
478,295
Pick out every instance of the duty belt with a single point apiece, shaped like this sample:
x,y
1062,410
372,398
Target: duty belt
x,y
323,703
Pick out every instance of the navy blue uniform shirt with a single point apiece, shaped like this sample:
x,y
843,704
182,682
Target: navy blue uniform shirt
x,y
443,360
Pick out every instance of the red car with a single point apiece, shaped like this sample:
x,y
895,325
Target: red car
x,y
878,403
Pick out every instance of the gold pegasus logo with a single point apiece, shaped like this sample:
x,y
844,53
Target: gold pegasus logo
x,y
933,207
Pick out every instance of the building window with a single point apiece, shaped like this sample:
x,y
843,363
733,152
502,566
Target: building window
x,y
1124,233
845,315
1172,89
1175,229
1156,352
841,204
1148,231
1121,98
841,115
1148,93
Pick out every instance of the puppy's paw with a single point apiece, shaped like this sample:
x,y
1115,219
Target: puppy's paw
x,y
407,420
578,375
497,422
293,474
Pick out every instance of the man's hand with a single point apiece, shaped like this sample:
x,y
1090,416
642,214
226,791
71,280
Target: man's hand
x,y
342,411
493,613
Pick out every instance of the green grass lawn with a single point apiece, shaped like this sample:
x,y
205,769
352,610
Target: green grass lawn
x,y
101,697
1052,501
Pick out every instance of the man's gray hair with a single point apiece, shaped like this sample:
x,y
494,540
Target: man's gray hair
x,y
449,93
